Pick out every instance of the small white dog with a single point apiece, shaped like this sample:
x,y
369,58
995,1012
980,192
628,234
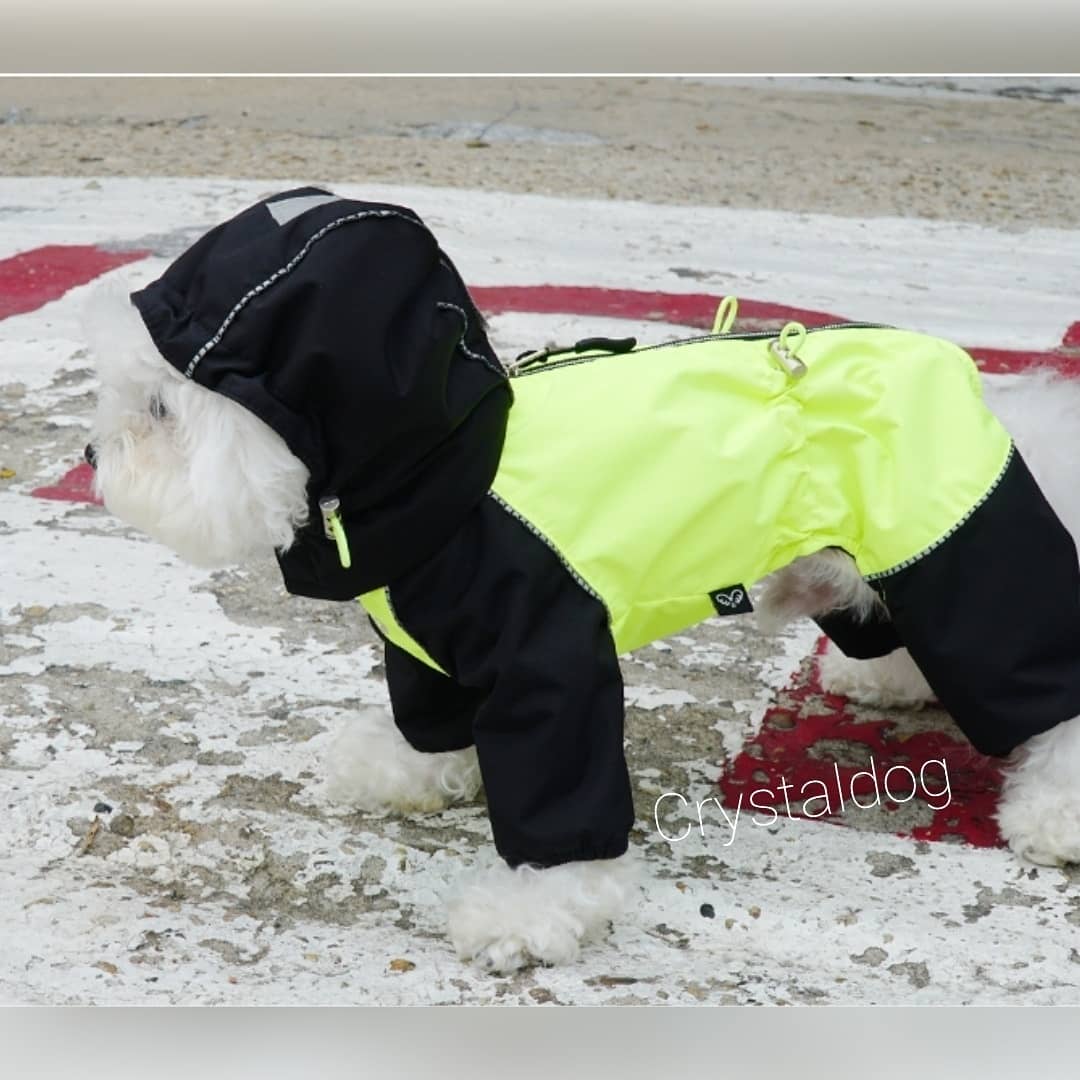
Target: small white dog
x,y
217,475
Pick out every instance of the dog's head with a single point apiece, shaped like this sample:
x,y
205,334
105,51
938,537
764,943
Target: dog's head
x,y
311,351
189,467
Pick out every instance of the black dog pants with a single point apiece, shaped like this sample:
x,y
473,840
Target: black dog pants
x,y
991,617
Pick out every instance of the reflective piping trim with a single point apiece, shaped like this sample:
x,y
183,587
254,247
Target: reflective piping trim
x,y
554,550
287,269
941,539
461,344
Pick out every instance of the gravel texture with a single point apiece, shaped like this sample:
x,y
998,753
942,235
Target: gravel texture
x,y
998,152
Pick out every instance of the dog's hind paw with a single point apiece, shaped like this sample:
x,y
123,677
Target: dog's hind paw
x,y
888,681
1039,809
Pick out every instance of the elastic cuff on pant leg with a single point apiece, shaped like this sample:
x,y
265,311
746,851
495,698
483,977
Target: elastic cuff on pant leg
x,y
860,640
438,742
585,853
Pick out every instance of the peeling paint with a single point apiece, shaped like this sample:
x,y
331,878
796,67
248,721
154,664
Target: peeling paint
x,y
199,709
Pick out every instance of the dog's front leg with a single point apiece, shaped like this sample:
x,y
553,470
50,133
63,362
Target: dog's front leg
x,y
498,608
550,744
371,766
420,758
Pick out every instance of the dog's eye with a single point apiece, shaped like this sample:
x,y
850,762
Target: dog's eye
x,y
157,408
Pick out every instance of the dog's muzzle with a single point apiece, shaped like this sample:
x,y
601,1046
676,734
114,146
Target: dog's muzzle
x,y
90,454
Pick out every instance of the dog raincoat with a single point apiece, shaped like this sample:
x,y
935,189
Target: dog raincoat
x,y
511,536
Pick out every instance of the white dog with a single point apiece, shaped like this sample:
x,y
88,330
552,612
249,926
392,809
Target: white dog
x,y
158,443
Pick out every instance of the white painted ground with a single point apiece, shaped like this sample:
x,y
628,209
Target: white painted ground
x,y
800,914
974,284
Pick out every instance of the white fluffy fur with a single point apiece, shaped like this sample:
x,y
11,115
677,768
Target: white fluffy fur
x,y
210,480
219,487
502,919
1042,413
505,918
889,681
814,585
372,767
1039,809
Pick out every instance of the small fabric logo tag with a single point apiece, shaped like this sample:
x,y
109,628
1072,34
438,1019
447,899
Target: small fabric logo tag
x,y
732,600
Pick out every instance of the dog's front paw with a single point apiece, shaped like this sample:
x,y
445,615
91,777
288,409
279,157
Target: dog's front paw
x,y
510,954
1039,810
891,681
504,919
372,767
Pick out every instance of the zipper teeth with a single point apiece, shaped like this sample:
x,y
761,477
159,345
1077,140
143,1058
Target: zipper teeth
x,y
750,336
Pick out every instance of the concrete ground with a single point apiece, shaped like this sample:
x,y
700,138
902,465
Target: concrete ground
x,y
163,730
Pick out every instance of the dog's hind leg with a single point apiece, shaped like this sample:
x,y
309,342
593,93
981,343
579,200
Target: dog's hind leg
x,y
812,586
865,660
1039,810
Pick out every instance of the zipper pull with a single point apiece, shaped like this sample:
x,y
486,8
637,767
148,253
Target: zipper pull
x,y
527,359
605,345
334,529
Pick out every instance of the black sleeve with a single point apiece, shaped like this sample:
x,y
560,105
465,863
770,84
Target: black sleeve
x,y
432,712
498,610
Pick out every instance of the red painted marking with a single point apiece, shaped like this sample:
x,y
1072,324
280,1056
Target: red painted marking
x,y
32,279
699,309
1008,361
76,485
787,749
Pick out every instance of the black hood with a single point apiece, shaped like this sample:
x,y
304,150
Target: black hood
x,y
344,327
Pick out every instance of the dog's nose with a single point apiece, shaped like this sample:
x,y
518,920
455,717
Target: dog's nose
x,y
91,455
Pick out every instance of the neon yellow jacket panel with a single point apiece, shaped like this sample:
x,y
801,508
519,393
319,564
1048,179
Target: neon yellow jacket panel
x,y
664,474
